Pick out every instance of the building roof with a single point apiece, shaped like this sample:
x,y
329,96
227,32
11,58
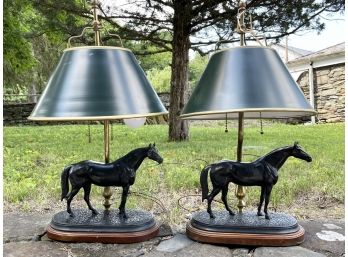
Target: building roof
x,y
327,56
329,50
296,50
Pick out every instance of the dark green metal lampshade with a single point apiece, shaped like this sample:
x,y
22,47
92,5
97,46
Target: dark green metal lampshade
x,y
97,83
253,80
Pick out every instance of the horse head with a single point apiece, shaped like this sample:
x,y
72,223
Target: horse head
x,y
298,152
153,154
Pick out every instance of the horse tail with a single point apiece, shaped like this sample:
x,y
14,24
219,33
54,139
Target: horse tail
x,y
204,182
64,181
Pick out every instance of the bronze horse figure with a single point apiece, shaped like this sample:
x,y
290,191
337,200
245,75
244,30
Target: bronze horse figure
x,y
263,172
120,173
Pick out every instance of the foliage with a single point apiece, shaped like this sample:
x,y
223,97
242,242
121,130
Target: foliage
x,y
35,37
173,26
215,20
18,57
197,23
35,156
196,68
32,46
160,79
150,55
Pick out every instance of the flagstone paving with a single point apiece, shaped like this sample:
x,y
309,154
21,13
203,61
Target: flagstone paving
x,y
24,235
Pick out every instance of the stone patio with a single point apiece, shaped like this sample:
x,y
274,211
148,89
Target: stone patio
x,y
24,235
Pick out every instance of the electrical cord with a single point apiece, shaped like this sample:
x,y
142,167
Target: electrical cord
x,y
179,201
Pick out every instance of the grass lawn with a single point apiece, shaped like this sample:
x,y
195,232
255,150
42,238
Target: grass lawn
x,y
35,156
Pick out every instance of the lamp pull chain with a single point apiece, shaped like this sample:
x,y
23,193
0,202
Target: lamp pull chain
x,y
112,131
226,129
89,132
261,127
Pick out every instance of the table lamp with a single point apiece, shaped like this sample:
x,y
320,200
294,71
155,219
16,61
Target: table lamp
x,y
245,82
99,83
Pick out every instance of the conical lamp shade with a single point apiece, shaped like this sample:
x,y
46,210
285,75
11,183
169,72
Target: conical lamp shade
x,y
253,80
97,83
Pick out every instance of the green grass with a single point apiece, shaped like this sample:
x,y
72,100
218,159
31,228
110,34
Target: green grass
x,y
35,156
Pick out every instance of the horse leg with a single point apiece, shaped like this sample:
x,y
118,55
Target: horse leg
x,y
87,189
123,201
268,195
210,198
262,198
224,199
73,192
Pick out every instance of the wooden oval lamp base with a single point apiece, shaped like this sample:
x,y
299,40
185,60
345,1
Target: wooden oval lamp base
x,y
245,229
105,227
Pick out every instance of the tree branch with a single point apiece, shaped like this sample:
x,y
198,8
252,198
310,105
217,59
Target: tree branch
x,y
205,5
151,52
136,35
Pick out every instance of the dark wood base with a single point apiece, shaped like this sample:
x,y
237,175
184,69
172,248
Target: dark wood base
x,y
110,238
245,239
245,229
104,227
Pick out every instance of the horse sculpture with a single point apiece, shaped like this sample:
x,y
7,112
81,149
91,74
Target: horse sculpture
x,y
120,173
263,172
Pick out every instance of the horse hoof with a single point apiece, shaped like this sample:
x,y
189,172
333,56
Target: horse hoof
x,y
94,212
123,215
267,217
232,213
212,216
259,214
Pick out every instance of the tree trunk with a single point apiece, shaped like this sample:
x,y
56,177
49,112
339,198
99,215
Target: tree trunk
x,y
178,129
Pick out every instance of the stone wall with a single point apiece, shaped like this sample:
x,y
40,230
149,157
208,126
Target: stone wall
x,y
329,92
17,114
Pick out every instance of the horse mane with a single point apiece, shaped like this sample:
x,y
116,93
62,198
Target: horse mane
x,y
131,153
280,149
277,157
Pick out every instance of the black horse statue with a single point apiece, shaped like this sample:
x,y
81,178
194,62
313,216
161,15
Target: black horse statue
x,y
120,173
263,172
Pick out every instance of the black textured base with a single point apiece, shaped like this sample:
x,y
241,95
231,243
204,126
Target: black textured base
x,y
104,222
246,222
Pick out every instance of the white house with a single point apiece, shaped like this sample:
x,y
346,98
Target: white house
x,y
321,76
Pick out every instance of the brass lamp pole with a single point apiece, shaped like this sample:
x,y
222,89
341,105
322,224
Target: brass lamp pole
x,y
240,190
107,190
242,30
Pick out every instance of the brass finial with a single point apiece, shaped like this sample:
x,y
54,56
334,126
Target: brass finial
x,y
96,23
242,29
242,4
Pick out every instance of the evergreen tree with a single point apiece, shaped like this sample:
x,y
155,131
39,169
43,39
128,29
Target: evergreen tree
x,y
194,24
